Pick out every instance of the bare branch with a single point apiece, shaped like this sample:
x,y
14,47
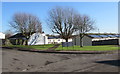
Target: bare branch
x,y
61,21
26,24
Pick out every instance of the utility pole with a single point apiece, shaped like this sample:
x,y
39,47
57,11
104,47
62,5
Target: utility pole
x,y
98,31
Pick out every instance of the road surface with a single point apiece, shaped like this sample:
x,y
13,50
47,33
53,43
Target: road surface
x,y
23,61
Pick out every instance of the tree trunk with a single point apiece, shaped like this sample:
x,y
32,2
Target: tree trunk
x,y
66,40
81,42
26,42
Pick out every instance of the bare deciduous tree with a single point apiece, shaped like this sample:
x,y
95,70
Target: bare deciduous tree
x,y
26,24
8,33
61,21
83,24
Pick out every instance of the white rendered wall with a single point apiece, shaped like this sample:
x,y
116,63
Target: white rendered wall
x,y
38,39
58,41
2,36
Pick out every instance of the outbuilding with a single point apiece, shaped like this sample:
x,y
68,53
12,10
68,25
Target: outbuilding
x,y
87,40
98,39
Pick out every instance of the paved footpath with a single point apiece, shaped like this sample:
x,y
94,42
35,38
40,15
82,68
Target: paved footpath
x,y
21,61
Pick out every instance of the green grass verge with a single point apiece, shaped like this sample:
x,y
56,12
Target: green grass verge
x,y
39,47
88,48
72,48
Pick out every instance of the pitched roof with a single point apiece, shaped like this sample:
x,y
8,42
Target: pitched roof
x,y
17,36
103,36
53,37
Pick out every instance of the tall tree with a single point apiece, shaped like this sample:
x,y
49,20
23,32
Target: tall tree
x,y
26,24
61,21
83,24
8,33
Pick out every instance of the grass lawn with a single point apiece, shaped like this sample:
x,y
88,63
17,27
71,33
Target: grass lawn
x,y
72,48
88,48
39,47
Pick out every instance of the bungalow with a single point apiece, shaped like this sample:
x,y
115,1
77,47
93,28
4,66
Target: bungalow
x,y
17,39
35,39
56,40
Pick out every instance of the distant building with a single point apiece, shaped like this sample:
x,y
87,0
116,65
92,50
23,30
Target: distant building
x,y
56,40
119,41
35,39
2,36
88,39
95,39
108,39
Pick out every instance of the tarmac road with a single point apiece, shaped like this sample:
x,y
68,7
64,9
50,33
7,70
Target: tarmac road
x,y
21,61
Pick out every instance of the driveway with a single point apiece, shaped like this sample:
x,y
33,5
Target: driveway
x,y
23,61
